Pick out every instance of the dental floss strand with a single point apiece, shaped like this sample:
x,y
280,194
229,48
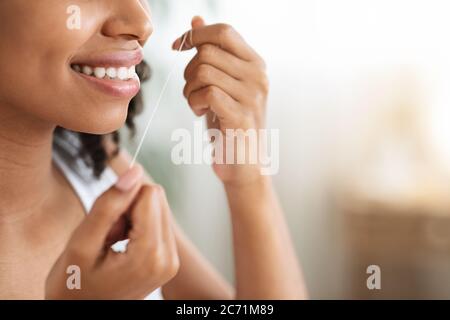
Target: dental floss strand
x,y
158,102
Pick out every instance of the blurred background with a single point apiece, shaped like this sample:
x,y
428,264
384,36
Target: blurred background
x,y
360,91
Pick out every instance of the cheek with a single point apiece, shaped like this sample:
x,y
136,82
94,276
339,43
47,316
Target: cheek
x,y
36,76
35,51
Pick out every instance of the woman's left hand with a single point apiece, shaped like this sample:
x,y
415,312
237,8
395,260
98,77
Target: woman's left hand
x,y
226,80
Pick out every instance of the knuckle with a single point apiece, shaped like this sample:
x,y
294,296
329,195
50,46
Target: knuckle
x,y
159,191
259,88
159,188
148,191
146,194
197,103
259,100
226,31
264,84
211,94
187,72
190,68
205,52
203,73
192,101
258,97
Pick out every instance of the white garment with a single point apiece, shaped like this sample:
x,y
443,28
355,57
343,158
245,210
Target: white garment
x,y
80,176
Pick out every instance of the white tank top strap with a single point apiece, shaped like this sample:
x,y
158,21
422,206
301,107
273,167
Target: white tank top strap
x,y
81,177
78,173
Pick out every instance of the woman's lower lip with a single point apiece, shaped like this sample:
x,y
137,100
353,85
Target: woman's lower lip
x,y
116,88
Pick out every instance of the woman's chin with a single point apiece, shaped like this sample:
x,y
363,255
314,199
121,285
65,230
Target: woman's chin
x,y
101,131
98,125
104,128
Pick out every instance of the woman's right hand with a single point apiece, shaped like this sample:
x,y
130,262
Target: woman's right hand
x,y
129,210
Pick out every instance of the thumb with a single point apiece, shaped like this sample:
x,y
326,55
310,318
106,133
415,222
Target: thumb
x,y
92,233
197,22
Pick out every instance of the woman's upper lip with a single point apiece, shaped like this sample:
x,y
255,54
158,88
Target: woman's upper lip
x,y
123,58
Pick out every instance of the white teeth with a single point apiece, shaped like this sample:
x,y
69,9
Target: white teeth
x,y
87,70
111,72
100,73
132,72
122,73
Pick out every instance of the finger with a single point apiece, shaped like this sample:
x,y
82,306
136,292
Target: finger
x,y
222,60
213,98
91,235
169,237
146,233
207,75
222,35
197,22
119,231
186,38
167,222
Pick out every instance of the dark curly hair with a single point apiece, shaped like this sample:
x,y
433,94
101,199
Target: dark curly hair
x,y
92,149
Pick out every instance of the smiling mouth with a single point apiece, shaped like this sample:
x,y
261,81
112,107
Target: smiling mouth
x,y
111,73
118,82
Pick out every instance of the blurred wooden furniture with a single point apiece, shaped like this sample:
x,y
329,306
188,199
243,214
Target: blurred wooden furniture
x,y
410,241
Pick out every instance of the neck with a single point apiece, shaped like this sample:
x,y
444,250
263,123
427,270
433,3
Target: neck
x,y
26,171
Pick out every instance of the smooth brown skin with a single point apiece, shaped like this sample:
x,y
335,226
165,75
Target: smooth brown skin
x,y
42,222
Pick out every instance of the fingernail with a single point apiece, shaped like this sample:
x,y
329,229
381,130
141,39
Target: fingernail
x,y
176,44
129,179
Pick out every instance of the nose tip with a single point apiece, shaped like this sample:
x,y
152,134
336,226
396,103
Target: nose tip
x,y
131,22
146,32
141,33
